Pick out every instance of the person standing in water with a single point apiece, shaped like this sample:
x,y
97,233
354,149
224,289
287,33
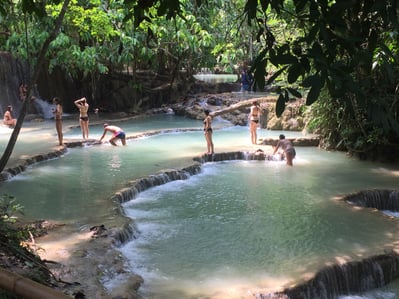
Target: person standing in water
x,y
254,117
83,116
288,148
57,111
117,132
208,132
8,119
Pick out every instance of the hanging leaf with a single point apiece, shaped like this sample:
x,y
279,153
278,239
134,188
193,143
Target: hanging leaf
x,y
250,9
313,95
265,4
275,75
316,83
294,72
294,92
280,105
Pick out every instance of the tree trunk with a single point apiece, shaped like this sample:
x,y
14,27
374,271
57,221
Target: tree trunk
x,y
14,136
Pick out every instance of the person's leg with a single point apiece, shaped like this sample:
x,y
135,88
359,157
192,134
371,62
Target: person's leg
x,y
82,127
289,156
253,132
208,142
112,141
59,131
87,129
123,141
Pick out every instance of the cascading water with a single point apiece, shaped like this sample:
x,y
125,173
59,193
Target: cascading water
x,y
44,108
236,229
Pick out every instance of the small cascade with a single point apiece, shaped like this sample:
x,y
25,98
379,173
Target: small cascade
x,y
44,108
227,156
346,279
147,182
125,233
378,199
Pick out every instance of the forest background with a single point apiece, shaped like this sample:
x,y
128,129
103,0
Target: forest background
x,y
342,56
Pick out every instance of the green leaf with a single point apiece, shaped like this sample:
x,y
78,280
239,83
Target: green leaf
x,y
310,80
294,92
260,74
280,105
294,72
316,82
299,5
313,95
250,9
265,4
275,75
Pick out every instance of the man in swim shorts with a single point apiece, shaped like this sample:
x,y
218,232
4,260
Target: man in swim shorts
x,y
288,148
117,132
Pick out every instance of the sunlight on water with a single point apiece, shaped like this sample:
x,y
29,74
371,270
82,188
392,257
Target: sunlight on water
x,y
237,228
259,225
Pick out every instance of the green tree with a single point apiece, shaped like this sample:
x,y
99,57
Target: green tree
x,y
29,8
349,49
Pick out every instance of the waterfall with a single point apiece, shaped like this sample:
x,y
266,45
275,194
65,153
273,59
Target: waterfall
x,y
227,156
378,199
150,181
44,108
346,279
11,76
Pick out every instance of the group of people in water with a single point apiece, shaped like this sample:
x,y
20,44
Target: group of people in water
x,y
254,122
118,134
83,107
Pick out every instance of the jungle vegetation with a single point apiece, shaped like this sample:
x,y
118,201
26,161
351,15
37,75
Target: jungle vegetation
x,y
341,55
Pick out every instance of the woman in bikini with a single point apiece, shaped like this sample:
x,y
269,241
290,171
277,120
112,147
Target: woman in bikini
x,y
83,117
58,119
208,132
254,117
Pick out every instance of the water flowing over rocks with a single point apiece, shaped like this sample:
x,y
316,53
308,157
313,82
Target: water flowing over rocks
x,y
17,169
346,279
377,199
142,184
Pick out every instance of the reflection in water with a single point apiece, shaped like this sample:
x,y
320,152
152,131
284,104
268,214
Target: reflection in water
x,y
115,162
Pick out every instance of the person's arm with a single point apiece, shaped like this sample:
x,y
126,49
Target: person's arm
x,y
276,147
105,132
78,102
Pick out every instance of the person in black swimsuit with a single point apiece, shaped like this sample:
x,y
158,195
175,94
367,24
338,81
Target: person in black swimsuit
x,y
254,117
208,132
83,116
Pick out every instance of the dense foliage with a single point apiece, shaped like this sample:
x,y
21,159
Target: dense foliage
x,y
348,52
344,50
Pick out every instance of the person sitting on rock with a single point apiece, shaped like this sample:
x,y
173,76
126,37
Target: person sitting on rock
x,y
8,119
